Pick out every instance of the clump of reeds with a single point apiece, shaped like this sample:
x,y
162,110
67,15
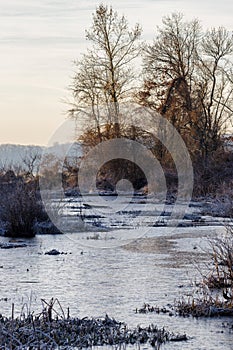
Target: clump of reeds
x,y
52,329
214,296
147,308
203,304
221,274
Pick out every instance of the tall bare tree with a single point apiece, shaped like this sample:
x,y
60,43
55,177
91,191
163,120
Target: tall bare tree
x,y
188,79
214,88
104,74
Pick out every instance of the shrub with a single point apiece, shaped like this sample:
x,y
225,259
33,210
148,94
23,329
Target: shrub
x,y
222,257
214,297
21,208
214,177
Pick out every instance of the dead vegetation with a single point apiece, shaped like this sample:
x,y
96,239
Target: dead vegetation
x,y
21,209
52,329
221,275
214,295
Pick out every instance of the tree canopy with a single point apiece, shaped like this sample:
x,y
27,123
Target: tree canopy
x,y
187,78
105,75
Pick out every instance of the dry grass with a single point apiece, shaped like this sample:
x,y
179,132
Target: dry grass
x,y
44,331
203,304
221,275
214,296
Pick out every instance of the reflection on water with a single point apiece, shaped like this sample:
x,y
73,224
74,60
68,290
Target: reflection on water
x,y
92,282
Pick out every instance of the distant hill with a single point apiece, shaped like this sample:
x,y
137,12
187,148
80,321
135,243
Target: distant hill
x,y
13,156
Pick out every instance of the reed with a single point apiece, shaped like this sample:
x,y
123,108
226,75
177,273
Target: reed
x,y
51,329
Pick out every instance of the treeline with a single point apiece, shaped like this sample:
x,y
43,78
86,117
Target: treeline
x,y
185,75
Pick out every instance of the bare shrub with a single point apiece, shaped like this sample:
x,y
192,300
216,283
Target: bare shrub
x,y
203,304
214,295
214,178
21,208
223,204
222,257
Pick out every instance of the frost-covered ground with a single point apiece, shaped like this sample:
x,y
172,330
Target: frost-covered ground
x,y
126,216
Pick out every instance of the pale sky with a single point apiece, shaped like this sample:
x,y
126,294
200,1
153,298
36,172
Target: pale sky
x,y
39,40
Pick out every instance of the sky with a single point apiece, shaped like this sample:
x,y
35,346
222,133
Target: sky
x,y
39,41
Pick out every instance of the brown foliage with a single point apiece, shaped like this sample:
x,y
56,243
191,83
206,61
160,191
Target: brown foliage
x,y
20,209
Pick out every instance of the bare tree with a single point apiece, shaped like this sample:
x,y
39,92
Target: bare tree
x,y
188,79
31,162
104,74
169,62
214,89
